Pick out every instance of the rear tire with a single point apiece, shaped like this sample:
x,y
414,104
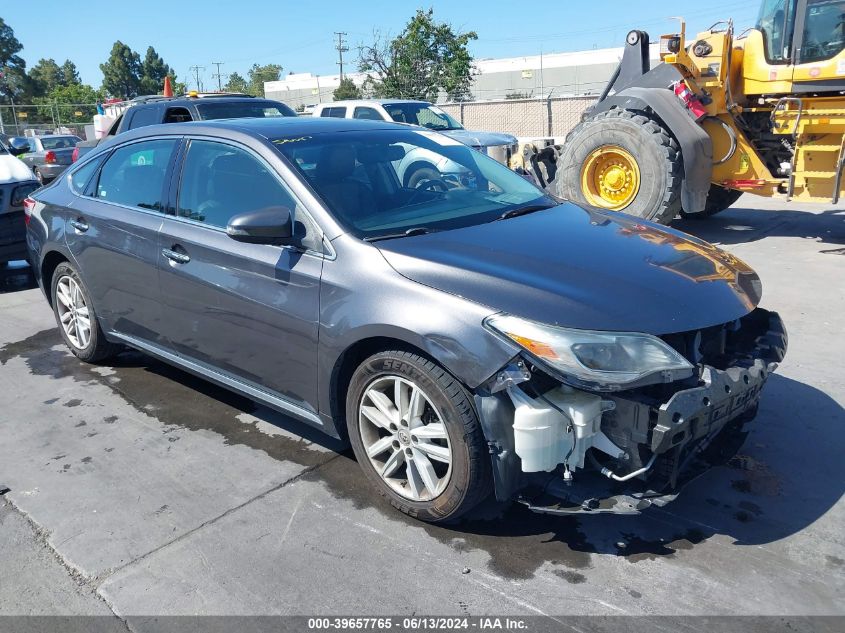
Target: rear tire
x,y
718,199
658,197
76,317
457,476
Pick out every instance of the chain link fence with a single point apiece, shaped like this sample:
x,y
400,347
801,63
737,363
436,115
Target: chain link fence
x,y
538,118
16,120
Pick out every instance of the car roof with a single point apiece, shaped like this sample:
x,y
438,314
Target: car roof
x,y
270,128
349,102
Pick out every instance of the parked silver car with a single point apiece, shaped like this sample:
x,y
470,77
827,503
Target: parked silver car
x,y
47,156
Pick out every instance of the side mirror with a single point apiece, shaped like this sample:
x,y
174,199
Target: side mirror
x,y
18,146
271,225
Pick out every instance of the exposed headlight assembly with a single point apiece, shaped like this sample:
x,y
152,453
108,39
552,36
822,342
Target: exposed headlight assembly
x,y
607,361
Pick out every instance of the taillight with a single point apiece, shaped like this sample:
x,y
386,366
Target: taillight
x,y
50,157
75,156
28,206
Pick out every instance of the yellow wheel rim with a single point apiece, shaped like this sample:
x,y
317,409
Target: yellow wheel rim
x,y
610,178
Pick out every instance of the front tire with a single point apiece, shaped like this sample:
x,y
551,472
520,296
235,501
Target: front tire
x,y
76,318
417,437
623,161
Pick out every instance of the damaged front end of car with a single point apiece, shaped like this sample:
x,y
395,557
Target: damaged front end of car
x,y
590,422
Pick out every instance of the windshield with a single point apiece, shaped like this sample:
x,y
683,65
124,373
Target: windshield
x,y
423,114
59,142
386,183
243,109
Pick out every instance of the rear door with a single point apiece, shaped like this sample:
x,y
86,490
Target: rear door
x,y
112,231
247,310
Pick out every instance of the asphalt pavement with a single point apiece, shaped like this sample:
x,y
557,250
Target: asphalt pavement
x,y
137,489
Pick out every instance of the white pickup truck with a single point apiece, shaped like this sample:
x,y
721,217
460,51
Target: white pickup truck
x,y
419,167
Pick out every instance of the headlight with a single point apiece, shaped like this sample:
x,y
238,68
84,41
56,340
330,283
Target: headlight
x,y
604,360
20,193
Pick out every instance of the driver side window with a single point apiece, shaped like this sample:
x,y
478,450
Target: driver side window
x,y
220,181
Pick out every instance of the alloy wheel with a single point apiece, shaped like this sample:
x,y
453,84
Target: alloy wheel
x,y
73,312
405,438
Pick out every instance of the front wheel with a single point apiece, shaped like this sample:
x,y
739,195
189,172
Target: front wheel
x,y
416,435
623,161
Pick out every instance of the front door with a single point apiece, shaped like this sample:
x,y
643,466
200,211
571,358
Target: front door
x,y
249,310
113,235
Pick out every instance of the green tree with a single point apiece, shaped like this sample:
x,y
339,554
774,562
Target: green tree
x,y
346,90
70,75
258,75
236,83
45,76
153,72
122,72
427,57
64,102
14,82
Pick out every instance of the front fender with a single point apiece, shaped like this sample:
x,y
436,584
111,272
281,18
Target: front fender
x,y
364,298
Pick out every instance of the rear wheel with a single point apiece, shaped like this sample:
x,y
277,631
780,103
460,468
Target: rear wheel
x,y
718,199
416,435
623,161
76,318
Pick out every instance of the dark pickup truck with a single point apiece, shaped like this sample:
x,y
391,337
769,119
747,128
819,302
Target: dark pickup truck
x,y
155,110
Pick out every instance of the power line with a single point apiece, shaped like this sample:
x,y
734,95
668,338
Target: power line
x,y
197,70
341,49
218,76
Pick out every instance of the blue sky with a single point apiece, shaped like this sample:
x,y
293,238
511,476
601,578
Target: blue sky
x,y
299,35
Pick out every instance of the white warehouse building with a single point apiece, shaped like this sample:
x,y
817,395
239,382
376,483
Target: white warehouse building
x,y
555,74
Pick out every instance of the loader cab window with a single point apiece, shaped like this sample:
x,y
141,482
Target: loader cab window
x,y
823,34
776,21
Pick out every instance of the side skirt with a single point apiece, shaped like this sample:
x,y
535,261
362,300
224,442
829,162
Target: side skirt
x,y
226,380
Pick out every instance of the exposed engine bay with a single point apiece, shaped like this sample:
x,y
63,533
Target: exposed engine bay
x,y
562,448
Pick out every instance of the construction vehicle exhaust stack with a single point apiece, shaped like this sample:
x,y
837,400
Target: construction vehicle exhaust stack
x,y
761,112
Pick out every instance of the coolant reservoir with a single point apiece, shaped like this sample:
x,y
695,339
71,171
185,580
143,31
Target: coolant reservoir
x,y
540,431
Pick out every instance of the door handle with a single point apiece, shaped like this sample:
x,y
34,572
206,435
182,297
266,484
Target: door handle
x,y
80,225
176,256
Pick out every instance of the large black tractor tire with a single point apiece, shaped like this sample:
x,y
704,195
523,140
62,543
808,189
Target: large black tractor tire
x,y
718,199
655,151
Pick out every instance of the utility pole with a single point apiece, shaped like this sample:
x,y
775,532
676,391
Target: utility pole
x,y
197,70
341,49
219,76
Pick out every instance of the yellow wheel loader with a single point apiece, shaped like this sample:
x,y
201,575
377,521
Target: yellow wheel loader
x,y
761,112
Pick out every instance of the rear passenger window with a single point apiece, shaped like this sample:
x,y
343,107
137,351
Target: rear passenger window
x,y
82,176
336,112
134,174
144,116
371,114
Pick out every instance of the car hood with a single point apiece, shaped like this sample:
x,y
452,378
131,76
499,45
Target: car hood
x,y
475,138
583,269
13,169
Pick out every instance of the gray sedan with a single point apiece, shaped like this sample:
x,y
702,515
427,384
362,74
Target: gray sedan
x,y
469,337
47,156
